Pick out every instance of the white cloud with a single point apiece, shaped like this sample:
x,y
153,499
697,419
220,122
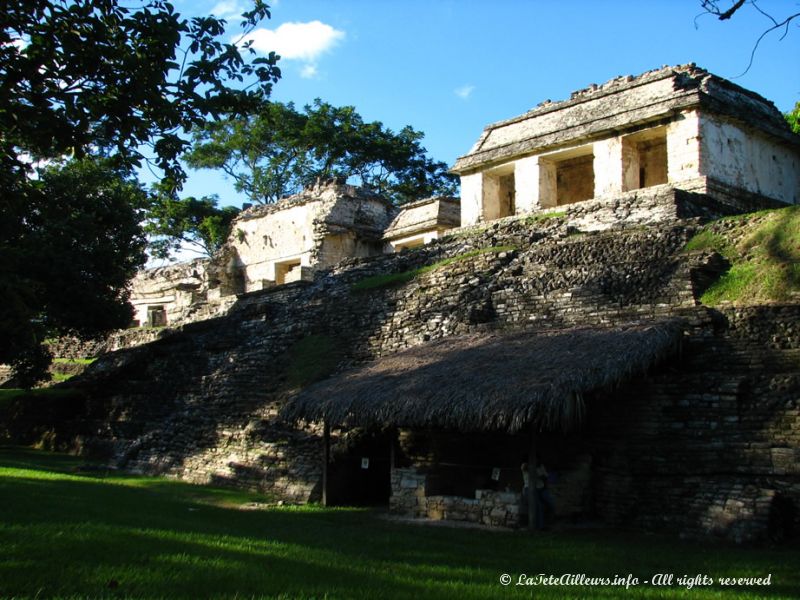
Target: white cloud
x,y
464,92
308,71
227,9
296,41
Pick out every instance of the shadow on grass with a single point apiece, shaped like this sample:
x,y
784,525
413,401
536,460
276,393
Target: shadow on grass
x,y
65,532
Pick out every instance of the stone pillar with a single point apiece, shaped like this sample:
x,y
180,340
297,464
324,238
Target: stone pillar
x,y
526,184
491,197
630,165
608,167
683,148
548,184
471,198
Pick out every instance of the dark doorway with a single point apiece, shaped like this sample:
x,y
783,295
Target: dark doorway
x,y
360,474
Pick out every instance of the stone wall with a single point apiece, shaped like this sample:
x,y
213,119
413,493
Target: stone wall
x,y
200,403
316,229
740,157
715,448
175,288
488,507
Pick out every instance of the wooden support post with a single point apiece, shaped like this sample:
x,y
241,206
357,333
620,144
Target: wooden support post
x,y
392,455
532,498
326,458
392,436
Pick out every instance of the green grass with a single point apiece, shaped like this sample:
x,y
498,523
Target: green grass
x,y
707,240
541,217
763,250
70,533
383,280
74,361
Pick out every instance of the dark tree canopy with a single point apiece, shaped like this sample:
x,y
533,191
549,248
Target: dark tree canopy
x,y
197,224
280,150
108,84
67,270
100,76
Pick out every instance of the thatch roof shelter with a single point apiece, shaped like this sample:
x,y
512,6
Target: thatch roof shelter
x,y
499,381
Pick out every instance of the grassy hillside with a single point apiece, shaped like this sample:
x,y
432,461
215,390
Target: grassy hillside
x,y
70,530
763,250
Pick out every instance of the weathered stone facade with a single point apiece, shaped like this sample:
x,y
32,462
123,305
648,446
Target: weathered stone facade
x,y
285,242
680,126
273,244
168,294
418,223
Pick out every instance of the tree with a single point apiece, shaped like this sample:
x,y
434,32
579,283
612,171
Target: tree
x,y
68,271
94,76
175,223
280,150
264,153
110,85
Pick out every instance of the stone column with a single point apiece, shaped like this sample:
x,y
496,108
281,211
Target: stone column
x,y
683,148
608,167
471,198
526,184
548,184
630,165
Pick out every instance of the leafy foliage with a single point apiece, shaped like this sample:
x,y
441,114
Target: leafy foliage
x,y
793,118
101,82
67,270
280,150
159,74
177,223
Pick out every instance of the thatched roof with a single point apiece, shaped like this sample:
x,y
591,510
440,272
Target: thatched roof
x,y
498,381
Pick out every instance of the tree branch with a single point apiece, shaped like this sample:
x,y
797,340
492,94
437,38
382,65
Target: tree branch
x,y
711,7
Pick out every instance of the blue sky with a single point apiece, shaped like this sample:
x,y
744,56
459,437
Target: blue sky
x,y
449,67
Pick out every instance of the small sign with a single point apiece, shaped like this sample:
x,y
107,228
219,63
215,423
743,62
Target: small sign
x,y
496,474
365,463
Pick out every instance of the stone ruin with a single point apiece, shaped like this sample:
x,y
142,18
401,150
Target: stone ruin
x,y
677,126
421,222
706,443
286,242
681,127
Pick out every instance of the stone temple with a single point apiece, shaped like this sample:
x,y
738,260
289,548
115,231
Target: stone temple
x,y
675,128
558,317
682,127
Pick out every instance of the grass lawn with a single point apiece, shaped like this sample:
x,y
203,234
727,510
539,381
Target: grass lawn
x,y
763,250
71,533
